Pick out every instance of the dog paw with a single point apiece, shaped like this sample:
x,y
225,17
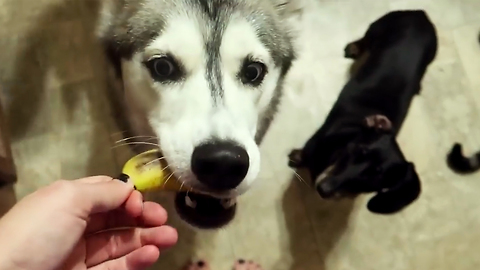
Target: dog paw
x,y
295,158
352,51
246,265
199,265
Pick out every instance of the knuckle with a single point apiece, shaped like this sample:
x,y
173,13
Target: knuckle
x,y
63,187
111,246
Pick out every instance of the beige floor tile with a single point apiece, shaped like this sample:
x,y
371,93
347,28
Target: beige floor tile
x,y
468,47
470,10
324,41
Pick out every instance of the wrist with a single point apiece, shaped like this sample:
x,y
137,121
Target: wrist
x,y
7,259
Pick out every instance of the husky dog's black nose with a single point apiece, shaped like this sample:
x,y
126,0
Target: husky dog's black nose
x,y
220,165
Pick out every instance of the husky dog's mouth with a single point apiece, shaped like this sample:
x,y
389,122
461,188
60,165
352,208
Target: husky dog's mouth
x,y
197,204
203,211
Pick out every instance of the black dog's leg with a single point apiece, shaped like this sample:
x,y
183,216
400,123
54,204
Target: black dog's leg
x,y
355,49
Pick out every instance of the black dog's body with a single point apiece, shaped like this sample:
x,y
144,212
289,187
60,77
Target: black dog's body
x,y
399,48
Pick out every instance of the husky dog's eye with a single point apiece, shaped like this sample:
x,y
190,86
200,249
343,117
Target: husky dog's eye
x,y
253,73
164,69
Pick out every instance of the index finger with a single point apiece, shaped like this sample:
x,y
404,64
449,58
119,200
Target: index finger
x,y
101,194
123,216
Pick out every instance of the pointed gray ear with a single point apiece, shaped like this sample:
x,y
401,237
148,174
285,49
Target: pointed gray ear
x,y
288,8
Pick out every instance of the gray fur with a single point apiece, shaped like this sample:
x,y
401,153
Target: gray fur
x,y
135,23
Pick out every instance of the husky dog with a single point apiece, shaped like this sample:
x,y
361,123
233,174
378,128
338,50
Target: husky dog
x,y
203,77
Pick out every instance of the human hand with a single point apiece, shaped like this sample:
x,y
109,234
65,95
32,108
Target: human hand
x,y
93,223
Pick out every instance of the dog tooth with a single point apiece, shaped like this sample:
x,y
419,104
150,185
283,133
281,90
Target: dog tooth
x,y
190,203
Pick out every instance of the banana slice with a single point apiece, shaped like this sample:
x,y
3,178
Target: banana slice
x,y
147,173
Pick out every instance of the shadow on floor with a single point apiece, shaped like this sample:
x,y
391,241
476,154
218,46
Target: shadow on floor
x,y
326,220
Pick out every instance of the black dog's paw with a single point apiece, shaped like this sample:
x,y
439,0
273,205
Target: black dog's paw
x,y
405,190
295,158
352,51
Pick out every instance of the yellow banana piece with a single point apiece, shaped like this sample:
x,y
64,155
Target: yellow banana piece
x,y
147,173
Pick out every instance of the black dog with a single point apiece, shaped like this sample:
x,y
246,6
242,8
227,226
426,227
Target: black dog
x,y
355,151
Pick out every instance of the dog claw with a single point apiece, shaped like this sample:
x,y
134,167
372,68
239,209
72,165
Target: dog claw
x,y
227,203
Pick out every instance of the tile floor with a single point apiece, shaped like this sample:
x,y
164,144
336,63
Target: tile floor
x,y
62,128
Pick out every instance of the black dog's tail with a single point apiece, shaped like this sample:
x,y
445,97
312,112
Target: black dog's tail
x,y
461,164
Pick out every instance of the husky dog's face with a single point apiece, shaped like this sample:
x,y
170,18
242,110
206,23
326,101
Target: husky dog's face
x,y
206,76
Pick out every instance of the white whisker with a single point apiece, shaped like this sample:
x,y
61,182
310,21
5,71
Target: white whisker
x,y
181,186
155,160
137,137
166,181
136,143
297,176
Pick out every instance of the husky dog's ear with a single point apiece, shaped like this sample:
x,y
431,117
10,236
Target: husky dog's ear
x,y
287,8
109,10
404,188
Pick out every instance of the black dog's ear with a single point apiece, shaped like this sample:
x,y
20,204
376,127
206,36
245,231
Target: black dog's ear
x,y
378,121
403,188
295,159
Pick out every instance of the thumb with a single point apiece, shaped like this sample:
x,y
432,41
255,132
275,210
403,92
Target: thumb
x,y
104,194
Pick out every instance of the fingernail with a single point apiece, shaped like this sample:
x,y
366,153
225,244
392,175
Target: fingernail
x,y
123,177
126,179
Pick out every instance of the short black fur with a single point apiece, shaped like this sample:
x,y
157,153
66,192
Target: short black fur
x,y
355,151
